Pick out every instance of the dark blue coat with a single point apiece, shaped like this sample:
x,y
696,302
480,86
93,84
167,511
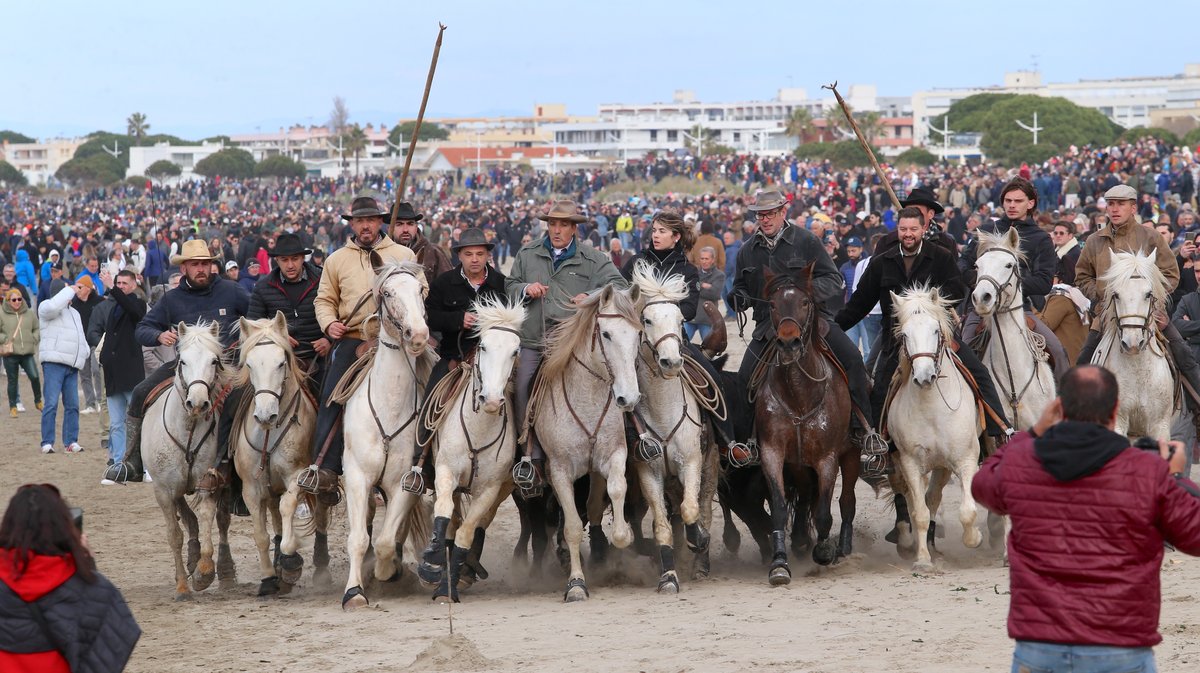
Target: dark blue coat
x,y
223,301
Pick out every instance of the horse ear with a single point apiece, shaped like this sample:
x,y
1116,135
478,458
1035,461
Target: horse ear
x,y
215,329
181,328
895,297
280,322
806,273
606,294
768,276
244,327
635,293
1014,239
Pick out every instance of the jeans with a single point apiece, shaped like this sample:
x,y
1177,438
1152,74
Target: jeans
x,y
527,365
93,384
691,329
1035,657
118,404
329,413
12,366
59,380
865,332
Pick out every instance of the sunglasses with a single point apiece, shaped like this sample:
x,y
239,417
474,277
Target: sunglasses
x,y
16,300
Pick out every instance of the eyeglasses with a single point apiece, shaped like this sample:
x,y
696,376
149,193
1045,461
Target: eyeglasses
x,y
767,214
16,300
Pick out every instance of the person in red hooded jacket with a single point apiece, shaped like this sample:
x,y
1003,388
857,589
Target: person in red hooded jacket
x,y
1089,515
57,614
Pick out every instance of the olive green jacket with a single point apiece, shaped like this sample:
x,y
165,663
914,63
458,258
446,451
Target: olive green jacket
x,y
25,341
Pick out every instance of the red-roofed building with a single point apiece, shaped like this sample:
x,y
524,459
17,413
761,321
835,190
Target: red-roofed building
x,y
472,158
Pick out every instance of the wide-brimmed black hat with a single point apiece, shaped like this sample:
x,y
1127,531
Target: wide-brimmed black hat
x,y
287,245
364,206
470,238
404,212
922,197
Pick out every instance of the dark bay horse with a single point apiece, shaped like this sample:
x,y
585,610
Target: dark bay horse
x,y
802,415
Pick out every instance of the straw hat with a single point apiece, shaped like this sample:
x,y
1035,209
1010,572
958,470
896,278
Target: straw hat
x,y
193,250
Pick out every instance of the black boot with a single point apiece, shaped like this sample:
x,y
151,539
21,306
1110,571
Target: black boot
x,y
129,468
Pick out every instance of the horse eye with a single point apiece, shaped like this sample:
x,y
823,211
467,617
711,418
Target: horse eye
x,y
516,353
1008,266
482,348
606,335
1147,295
216,362
280,365
646,321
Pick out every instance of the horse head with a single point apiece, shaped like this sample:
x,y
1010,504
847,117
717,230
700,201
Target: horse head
x,y
499,330
793,311
1133,288
266,363
400,290
662,321
922,326
617,338
998,272
198,373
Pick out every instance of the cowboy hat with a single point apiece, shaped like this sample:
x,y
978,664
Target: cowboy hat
x,y
922,197
364,206
405,213
470,238
768,199
563,209
287,245
193,250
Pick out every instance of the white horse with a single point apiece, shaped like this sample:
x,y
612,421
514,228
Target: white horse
x,y
1134,288
380,430
931,393
670,421
473,445
1013,357
270,445
179,442
587,379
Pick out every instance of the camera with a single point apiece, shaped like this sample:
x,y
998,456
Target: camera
x,y
1150,444
77,517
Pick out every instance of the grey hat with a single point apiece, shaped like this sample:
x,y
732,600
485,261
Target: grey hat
x,y
470,238
1121,193
768,199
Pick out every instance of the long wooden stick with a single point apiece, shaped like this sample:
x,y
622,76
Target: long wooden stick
x,y
412,142
865,145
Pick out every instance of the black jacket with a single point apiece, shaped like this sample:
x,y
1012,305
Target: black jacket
x,y
269,296
933,266
450,296
671,262
223,301
1037,272
121,358
795,249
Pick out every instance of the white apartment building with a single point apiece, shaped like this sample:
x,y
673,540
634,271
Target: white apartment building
x,y
184,156
40,161
312,143
1128,101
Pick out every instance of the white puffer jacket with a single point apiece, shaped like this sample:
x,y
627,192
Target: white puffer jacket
x,y
63,338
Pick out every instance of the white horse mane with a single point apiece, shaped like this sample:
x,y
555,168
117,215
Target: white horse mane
x,y
264,332
1126,265
658,286
989,241
922,299
494,311
392,268
201,335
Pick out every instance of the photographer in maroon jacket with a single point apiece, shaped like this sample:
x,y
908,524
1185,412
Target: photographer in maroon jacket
x,y
1090,514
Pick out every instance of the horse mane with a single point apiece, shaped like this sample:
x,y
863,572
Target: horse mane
x,y
656,285
264,333
989,241
785,277
494,311
392,268
199,334
573,334
1126,265
922,299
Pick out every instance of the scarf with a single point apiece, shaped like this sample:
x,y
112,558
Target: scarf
x,y
1066,247
771,241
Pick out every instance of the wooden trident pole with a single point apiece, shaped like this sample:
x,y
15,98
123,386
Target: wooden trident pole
x,y
412,142
865,145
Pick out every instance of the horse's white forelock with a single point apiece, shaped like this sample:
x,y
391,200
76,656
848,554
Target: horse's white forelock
x,y
390,269
1125,265
989,241
923,299
199,335
658,286
494,311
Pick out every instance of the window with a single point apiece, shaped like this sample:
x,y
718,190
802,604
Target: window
x,y
672,136
737,137
653,136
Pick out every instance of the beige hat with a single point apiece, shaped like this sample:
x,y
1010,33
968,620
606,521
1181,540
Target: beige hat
x,y
563,209
768,199
192,250
1121,193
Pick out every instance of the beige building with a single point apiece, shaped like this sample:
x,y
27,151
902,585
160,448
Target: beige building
x,y
41,160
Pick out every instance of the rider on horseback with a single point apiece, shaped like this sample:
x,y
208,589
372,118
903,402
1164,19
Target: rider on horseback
x,y
781,244
1125,234
201,295
1019,199
550,274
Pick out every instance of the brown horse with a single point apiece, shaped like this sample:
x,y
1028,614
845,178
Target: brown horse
x,y
802,415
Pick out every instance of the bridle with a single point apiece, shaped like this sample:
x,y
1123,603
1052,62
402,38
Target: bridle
x,y
935,354
1013,274
781,320
1122,319
185,387
383,313
477,377
653,346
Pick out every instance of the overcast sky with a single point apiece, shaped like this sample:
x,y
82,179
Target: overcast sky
x,y
230,66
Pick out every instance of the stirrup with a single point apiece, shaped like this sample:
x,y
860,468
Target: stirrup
x,y
872,443
413,481
648,449
742,454
308,480
524,475
874,466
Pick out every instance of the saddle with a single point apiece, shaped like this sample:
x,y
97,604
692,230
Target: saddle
x,y
983,337
437,402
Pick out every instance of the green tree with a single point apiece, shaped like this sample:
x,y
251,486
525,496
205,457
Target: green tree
x,y
916,155
94,169
1192,138
842,154
968,114
137,126
870,124
11,176
136,181
1063,124
354,142
230,162
800,124
98,140
836,124
1155,132
7,136
428,132
281,167
163,169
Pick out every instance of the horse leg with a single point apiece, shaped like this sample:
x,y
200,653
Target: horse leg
x,y
848,501
901,535
564,491
539,524
826,550
772,466
622,532
597,541
358,499
400,502
933,501
169,506
967,511
226,568
188,517
289,565
474,566
650,478
432,569
802,541
257,504
695,531
918,483
321,576
206,571
521,548
470,537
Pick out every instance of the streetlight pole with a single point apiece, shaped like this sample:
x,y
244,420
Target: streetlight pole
x,y
479,151
945,131
1035,128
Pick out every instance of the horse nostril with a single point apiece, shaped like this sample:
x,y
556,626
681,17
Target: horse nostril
x,y
621,401
481,398
664,362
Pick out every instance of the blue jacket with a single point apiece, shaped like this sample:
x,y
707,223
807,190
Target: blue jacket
x,y
222,301
26,274
156,261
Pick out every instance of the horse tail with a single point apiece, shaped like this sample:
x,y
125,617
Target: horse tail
x,y
417,527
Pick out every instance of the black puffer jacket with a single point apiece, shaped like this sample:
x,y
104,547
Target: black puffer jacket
x,y
671,262
1037,271
270,296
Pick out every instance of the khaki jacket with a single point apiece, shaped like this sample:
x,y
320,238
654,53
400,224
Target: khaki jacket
x,y
346,277
25,341
588,270
1094,261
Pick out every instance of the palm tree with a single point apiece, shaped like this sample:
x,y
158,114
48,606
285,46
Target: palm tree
x,y
137,126
871,125
800,124
355,142
836,124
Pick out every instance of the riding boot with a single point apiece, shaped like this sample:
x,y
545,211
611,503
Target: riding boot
x,y
1185,362
1089,348
129,468
987,390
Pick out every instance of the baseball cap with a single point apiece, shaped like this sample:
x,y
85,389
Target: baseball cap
x,y
854,242
230,265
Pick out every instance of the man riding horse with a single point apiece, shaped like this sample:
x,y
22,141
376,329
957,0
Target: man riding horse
x,y
782,247
343,306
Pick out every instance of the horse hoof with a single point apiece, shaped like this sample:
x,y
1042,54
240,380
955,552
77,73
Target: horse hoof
x,y
703,567
697,538
285,588
780,576
576,591
893,535
269,586
354,599
668,584
289,568
824,553
396,575
443,594
183,598
923,567
203,581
